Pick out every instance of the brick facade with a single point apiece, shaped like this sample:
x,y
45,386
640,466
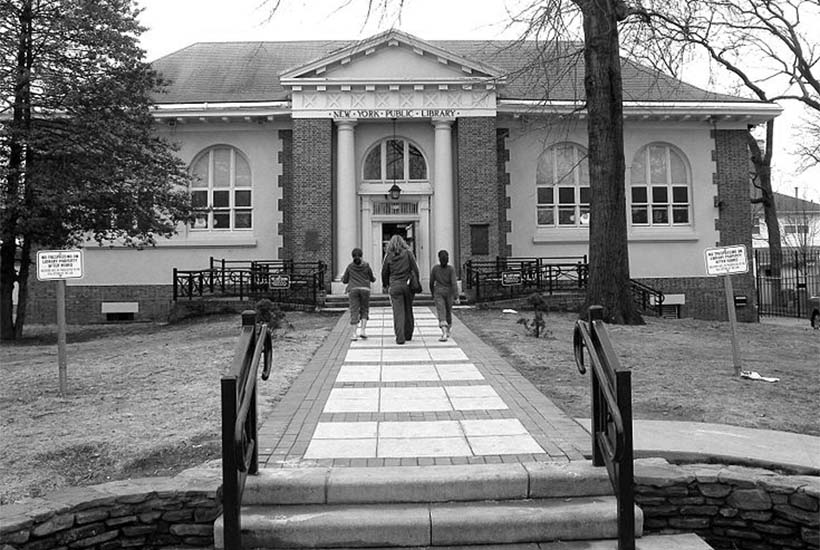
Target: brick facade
x,y
478,186
286,184
83,304
308,200
734,204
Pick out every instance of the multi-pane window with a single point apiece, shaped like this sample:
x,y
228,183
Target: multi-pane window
x,y
394,159
221,192
660,189
562,187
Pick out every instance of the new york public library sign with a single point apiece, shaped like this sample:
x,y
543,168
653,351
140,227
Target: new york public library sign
x,y
393,113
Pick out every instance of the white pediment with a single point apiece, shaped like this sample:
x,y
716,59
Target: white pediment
x,y
391,57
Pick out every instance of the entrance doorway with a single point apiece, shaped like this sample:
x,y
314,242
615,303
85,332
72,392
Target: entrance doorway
x,y
406,230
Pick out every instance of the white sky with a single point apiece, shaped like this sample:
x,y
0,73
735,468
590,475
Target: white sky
x,y
175,24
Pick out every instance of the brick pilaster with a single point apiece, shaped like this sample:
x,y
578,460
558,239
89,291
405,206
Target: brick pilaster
x,y
308,209
479,192
734,221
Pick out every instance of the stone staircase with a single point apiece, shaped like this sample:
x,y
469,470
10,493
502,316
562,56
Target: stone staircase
x,y
437,506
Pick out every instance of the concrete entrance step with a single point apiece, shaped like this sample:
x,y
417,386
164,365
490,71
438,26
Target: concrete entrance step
x,y
534,480
428,524
686,541
335,302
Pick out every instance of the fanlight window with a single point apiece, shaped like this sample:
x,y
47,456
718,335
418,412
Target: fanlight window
x,y
660,192
562,187
221,192
394,159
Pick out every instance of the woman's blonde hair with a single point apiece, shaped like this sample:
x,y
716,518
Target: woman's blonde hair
x,y
396,245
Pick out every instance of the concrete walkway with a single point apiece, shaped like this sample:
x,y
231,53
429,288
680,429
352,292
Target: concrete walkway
x,y
373,403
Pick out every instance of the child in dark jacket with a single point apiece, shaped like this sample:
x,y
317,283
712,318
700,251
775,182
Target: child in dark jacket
x,y
358,277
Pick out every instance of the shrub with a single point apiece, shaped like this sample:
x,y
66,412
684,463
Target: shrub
x,y
268,312
538,324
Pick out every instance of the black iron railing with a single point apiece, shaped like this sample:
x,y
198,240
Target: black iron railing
x,y
647,298
281,281
240,451
513,277
611,416
787,293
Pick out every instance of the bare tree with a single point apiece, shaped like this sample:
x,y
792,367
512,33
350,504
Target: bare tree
x,y
765,45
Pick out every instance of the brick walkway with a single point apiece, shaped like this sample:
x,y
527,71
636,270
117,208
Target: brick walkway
x,y
374,403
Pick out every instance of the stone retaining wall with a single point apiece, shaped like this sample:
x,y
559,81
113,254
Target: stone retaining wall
x,y
729,506
158,512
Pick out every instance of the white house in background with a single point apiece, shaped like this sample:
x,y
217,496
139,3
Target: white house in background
x,y
799,223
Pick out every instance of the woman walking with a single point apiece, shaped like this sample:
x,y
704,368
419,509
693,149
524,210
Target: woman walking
x,y
444,288
397,267
358,277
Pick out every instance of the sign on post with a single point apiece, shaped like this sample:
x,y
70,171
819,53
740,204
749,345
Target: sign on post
x,y
59,265
726,261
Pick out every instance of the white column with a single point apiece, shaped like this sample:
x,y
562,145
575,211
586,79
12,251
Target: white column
x,y
346,207
443,204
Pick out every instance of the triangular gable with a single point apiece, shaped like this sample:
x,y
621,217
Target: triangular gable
x,y
392,55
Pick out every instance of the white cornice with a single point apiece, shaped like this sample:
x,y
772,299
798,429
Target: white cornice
x,y
751,112
233,110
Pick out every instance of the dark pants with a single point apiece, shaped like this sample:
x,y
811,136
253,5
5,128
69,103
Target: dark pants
x,y
402,301
444,306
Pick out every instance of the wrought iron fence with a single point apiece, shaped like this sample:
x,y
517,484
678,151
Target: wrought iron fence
x,y
281,281
513,277
787,294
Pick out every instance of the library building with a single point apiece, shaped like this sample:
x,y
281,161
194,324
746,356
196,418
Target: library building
x,y
303,151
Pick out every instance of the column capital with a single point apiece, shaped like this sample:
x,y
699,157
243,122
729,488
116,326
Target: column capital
x,y
346,123
443,122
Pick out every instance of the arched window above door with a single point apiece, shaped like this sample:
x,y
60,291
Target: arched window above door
x,y
394,159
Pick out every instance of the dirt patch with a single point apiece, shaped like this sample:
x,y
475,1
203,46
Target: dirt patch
x,y
681,368
142,399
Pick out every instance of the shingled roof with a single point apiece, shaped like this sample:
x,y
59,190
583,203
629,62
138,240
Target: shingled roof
x,y
249,71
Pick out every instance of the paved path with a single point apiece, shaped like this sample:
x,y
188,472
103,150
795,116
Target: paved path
x,y
374,403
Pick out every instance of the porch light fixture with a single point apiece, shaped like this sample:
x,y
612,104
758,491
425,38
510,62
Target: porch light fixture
x,y
394,192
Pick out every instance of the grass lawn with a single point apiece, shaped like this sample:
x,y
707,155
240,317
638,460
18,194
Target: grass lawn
x,y
681,368
143,399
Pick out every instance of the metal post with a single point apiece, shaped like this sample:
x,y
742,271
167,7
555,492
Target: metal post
x,y
730,306
230,483
61,337
176,290
626,497
596,313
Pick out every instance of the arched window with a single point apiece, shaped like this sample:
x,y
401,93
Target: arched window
x,y
394,159
660,192
221,191
562,186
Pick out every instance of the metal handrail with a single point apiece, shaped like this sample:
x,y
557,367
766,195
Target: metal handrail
x,y
240,449
611,411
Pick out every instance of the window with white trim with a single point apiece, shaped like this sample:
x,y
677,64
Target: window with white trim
x,y
221,191
660,188
562,187
394,159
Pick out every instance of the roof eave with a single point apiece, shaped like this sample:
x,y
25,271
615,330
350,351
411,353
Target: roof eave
x,y
750,112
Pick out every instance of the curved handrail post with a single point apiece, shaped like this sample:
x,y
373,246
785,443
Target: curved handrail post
x,y
611,398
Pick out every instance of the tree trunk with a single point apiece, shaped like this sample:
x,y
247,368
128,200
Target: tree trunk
x,y
762,163
609,282
20,128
